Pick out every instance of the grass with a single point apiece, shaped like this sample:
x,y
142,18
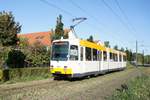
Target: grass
x,y
136,89
129,66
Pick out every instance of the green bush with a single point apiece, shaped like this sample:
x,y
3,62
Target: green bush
x,y
25,73
4,55
19,57
5,75
1,74
15,59
37,55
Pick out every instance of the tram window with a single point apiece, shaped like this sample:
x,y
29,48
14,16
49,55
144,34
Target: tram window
x,y
94,55
81,53
124,58
115,57
73,52
88,53
105,55
99,55
111,56
120,58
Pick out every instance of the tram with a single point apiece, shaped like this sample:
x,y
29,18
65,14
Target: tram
x,y
74,57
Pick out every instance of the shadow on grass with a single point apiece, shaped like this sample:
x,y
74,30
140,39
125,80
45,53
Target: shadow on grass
x,y
59,78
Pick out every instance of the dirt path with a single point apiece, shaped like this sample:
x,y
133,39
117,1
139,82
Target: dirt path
x,y
87,89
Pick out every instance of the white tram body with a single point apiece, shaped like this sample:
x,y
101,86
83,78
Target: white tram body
x,y
74,57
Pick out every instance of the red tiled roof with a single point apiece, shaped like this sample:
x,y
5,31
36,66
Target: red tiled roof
x,y
42,37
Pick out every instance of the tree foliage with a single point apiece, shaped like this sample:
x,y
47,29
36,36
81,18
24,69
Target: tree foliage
x,y
59,31
147,59
116,47
65,36
4,55
21,54
122,49
15,59
8,29
106,43
130,55
90,38
23,42
37,55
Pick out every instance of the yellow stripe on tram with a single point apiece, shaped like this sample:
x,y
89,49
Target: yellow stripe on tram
x,y
61,70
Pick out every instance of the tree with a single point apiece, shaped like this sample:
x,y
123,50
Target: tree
x,y
59,32
116,47
66,34
122,49
8,29
129,54
106,43
23,42
4,55
15,59
147,59
90,39
37,55
140,58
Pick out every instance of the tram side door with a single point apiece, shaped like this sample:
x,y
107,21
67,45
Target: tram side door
x,y
99,60
104,64
82,59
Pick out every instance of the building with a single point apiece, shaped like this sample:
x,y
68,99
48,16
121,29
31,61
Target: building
x,y
44,38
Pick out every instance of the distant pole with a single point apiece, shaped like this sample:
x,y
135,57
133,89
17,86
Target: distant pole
x,y
136,53
143,58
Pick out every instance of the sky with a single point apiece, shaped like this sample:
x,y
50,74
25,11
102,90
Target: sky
x,y
121,24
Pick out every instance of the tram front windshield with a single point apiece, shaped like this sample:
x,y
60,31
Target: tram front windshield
x,y
60,51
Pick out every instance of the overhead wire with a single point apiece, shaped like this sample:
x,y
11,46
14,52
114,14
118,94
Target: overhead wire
x,y
84,11
55,6
126,17
91,16
118,17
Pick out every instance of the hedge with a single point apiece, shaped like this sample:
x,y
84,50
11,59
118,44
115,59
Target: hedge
x,y
1,74
19,73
